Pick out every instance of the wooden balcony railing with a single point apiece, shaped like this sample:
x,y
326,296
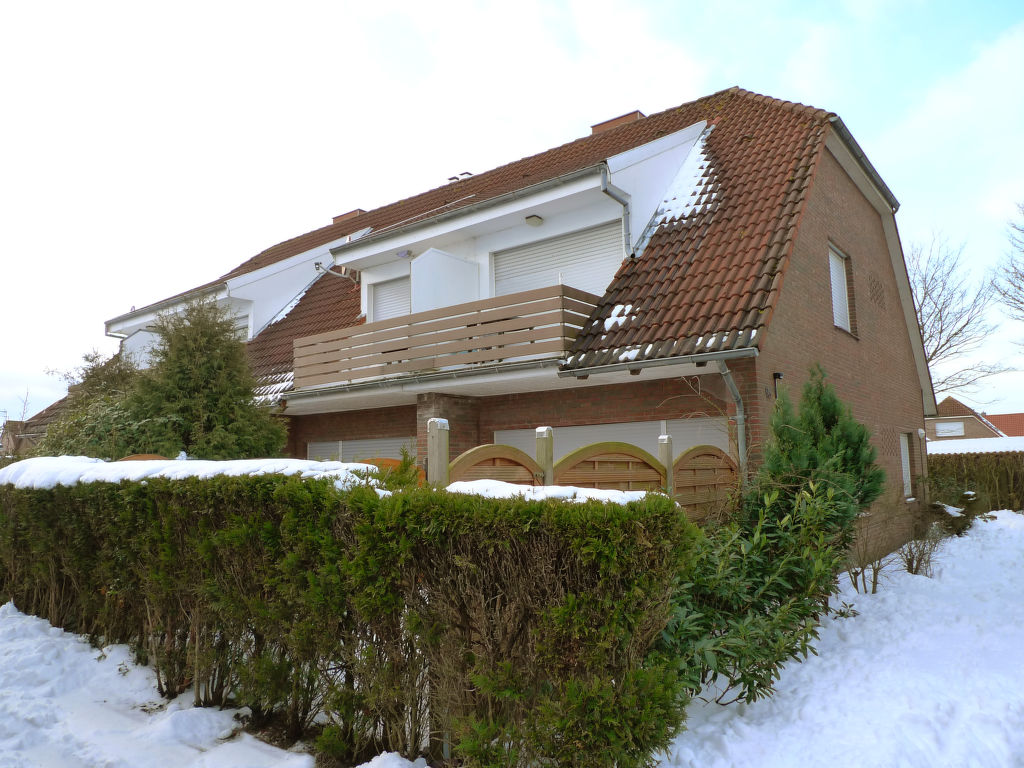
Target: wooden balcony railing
x,y
530,325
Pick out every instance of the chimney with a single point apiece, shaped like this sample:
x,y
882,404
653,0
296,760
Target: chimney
x,y
615,122
346,216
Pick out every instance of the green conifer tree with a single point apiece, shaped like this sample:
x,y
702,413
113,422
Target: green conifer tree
x,y
822,444
197,396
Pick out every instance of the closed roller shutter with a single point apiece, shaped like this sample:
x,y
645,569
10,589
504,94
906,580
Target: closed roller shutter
x,y
586,260
377,448
360,450
390,299
840,297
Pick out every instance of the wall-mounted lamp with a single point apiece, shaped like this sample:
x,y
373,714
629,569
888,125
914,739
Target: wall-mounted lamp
x,y
775,382
404,254
920,434
534,220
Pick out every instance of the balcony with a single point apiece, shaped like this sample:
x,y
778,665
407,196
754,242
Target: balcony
x,y
532,325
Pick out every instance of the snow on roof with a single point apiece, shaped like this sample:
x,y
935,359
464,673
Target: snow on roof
x,y
50,471
977,445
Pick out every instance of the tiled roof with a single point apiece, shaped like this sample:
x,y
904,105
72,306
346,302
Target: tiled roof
x,y
705,282
37,424
328,304
1010,424
950,406
708,281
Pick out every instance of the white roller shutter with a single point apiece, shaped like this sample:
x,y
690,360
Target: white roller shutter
x,y
586,260
325,450
377,448
905,464
390,299
840,297
360,450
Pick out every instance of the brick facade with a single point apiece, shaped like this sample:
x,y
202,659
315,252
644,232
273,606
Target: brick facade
x,y
872,368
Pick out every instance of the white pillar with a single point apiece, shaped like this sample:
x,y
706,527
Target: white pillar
x,y
437,452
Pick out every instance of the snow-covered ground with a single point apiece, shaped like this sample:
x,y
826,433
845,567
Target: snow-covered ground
x,y
928,674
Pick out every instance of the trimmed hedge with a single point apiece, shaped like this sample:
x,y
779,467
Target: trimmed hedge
x,y
496,631
997,478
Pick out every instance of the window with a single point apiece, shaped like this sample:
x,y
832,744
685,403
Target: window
x,y
949,429
842,307
390,298
908,489
586,259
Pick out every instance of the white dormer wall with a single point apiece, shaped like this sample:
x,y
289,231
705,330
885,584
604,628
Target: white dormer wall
x,y
646,173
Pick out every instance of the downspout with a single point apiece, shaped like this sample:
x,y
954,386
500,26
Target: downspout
x,y
621,197
741,419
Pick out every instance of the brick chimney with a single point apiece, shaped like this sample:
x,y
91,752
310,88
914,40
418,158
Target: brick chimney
x,y
346,216
615,122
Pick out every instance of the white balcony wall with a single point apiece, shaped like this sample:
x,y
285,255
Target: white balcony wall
x,y
440,279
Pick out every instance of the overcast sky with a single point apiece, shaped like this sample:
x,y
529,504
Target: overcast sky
x,y
146,148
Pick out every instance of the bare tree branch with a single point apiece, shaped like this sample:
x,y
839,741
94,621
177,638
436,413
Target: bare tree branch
x,y
1010,282
952,314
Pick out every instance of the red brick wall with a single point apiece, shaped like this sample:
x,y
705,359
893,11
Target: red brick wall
x,y
350,425
873,370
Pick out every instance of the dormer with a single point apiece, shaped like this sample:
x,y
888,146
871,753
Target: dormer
x,y
573,230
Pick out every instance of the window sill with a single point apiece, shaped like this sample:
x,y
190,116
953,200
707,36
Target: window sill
x,y
851,334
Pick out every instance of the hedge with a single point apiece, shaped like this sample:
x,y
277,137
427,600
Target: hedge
x,y
490,631
997,478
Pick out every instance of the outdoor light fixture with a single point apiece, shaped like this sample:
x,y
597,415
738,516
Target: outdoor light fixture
x,y
534,220
775,382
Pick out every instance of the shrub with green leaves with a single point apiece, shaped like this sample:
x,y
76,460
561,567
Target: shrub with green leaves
x,y
751,599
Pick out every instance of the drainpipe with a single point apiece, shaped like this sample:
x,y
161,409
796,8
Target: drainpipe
x,y
741,419
621,197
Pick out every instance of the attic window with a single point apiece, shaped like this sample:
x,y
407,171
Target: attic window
x,y
949,429
842,303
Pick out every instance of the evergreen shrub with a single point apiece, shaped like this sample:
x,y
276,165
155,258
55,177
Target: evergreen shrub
x,y
499,631
751,599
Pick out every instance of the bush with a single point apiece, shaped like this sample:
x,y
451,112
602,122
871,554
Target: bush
x,y
511,631
751,599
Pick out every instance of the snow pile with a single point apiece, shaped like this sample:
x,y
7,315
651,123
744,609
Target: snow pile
x,y
50,471
928,675
65,703
977,445
496,489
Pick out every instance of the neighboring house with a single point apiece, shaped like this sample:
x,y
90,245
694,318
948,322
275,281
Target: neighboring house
x,y
1010,424
670,272
956,421
18,438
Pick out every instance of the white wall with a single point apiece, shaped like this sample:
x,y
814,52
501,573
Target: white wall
x,y
440,279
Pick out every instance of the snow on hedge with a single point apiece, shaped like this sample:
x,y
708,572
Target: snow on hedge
x,y
977,445
50,471
496,489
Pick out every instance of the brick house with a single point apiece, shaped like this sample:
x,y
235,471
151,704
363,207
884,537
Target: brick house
x,y
956,421
669,272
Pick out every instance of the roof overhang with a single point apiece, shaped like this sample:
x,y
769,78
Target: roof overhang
x,y
488,381
473,218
